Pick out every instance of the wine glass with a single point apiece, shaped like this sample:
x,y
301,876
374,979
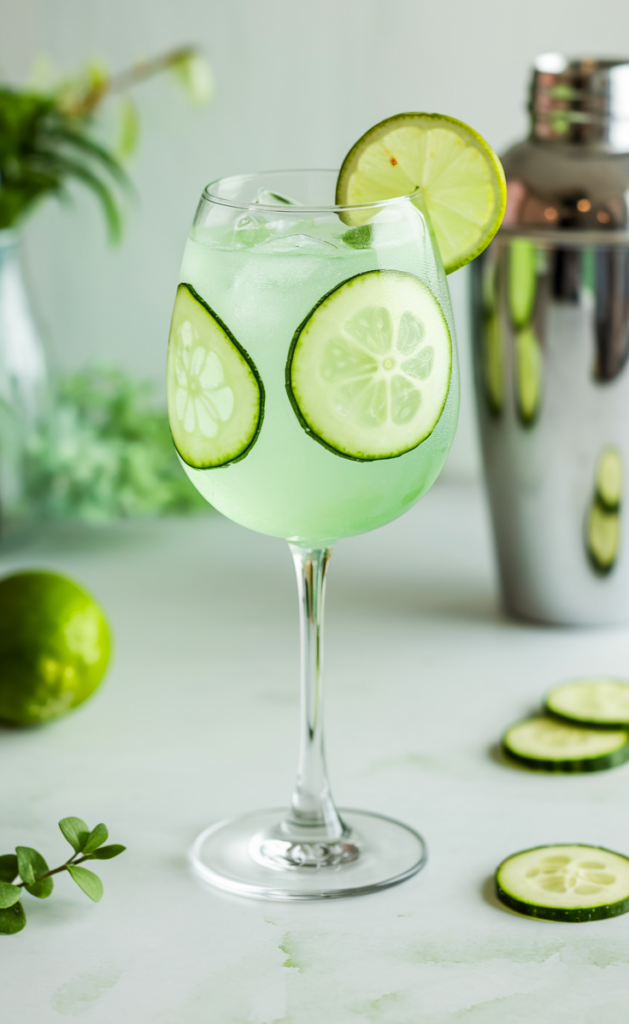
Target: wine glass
x,y
313,394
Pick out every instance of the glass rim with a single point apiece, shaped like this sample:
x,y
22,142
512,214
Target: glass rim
x,y
378,204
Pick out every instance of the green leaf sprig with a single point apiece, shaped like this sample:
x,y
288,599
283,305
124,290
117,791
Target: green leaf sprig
x,y
36,877
46,135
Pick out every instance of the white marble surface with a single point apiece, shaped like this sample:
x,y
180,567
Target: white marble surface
x,y
198,720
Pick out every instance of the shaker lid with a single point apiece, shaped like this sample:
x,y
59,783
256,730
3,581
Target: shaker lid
x,y
582,101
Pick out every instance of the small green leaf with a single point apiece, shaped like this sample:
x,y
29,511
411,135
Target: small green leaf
x,y
8,867
42,889
128,128
12,919
87,881
30,864
195,75
97,73
9,894
75,831
107,852
95,839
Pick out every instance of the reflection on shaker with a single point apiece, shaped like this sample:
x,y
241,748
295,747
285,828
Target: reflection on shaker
x,y
522,294
493,347
528,375
611,274
566,278
522,281
603,521
494,359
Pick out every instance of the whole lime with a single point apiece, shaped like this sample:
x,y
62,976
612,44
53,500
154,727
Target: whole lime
x,y
54,646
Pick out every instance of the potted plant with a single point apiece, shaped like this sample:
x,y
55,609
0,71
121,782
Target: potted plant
x,y
47,140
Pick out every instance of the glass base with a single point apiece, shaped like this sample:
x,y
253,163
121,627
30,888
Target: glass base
x,y
250,856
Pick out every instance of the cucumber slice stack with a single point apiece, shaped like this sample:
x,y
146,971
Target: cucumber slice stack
x,y
595,702
368,371
565,883
554,746
215,394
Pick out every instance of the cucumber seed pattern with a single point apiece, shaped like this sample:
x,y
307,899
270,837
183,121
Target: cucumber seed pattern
x,y
375,374
369,369
560,873
215,395
202,400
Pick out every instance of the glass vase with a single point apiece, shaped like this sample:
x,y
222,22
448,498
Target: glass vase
x,y
22,382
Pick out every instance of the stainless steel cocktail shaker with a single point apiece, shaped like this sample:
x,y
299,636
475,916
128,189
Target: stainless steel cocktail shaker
x,y
551,343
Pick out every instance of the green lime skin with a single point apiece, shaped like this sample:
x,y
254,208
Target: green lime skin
x,y
54,646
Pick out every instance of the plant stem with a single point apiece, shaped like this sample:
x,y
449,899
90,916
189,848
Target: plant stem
x,y
55,871
148,68
85,104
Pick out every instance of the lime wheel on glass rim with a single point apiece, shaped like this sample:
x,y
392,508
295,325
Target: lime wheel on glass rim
x,y
461,180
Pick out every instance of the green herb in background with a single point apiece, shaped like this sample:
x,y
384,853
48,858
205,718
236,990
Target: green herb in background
x,y
35,876
46,134
104,451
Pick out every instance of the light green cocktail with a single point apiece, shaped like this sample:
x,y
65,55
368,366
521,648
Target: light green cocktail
x,y
261,274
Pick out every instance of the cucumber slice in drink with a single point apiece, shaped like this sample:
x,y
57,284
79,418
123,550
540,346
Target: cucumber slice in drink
x,y
602,702
609,479
565,882
215,394
552,746
528,375
368,370
603,537
461,179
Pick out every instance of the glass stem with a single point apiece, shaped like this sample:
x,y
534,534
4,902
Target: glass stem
x,y
312,810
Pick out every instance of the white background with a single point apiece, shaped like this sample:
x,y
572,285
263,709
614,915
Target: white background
x,y
297,84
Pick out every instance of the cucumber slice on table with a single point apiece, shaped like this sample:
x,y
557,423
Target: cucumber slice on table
x,y
215,394
609,479
553,746
368,370
602,702
565,883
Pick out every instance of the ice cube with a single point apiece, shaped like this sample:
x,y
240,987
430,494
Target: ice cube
x,y
298,243
249,231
